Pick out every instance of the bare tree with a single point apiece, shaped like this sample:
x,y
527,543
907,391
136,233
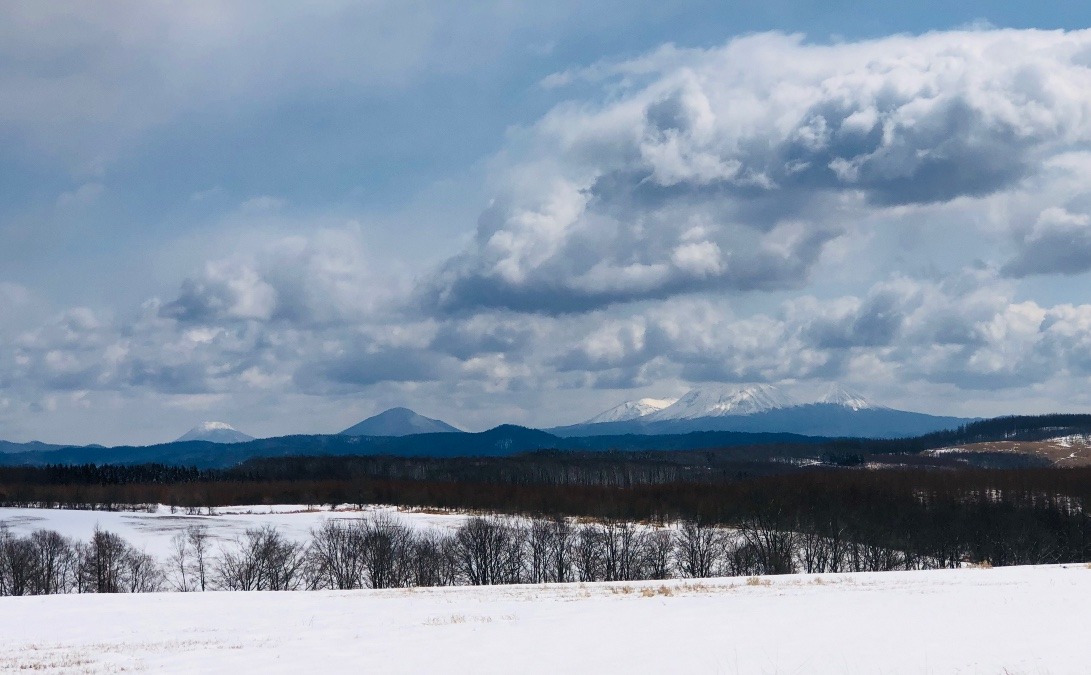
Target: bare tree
x,y
386,549
54,562
102,563
178,563
589,553
199,546
261,560
699,548
141,572
658,555
623,549
16,565
432,562
337,554
772,539
487,551
187,565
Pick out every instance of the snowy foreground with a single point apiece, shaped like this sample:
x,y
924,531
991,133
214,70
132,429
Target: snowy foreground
x,y
1004,620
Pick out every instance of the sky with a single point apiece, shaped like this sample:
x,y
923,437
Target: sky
x,y
291,217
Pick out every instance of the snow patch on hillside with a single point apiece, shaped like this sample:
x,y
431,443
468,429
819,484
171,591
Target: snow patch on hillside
x,y
717,401
631,410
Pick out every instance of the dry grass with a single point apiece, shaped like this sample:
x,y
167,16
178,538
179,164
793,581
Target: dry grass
x,y
457,619
650,592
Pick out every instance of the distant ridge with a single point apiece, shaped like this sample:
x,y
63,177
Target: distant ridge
x,y
509,440
399,422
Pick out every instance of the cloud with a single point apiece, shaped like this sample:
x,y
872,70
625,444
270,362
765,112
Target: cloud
x,y
1059,243
318,279
732,169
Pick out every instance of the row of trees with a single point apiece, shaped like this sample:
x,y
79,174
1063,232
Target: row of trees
x,y
379,551
46,562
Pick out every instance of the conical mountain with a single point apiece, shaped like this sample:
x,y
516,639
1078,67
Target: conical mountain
x,y
399,422
215,432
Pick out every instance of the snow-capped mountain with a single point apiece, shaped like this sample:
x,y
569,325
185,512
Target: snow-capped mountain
x,y
723,401
631,410
215,432
762,408
838,395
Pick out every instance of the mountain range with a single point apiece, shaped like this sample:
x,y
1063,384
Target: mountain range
x,y
761,408
725,415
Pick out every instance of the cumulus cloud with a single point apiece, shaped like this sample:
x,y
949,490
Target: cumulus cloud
x,y
1059,243
323,278
732,169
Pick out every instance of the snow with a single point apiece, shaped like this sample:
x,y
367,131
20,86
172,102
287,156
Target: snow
x,y
1013,620
720,401
838,395
631,410
152,532
1081,440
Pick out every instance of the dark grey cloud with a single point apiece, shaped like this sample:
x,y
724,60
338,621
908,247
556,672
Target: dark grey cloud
x,y
358,368
874,324
484,334
1059,243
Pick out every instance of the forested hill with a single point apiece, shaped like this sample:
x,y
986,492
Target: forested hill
x,y
1009,428
501,441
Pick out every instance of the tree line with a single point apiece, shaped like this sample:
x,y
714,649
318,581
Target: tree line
x,y
380,551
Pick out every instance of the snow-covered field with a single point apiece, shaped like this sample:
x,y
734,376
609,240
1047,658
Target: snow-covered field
x,y
152,532
1004,620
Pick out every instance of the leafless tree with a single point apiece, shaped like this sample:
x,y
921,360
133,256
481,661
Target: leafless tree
x,y
623,550
337,554
5,539
431,560
488,551
549,547
178,563
54,562
102,563
261,560
699,548
16,565
141,572
187,564
589,553
658,555
772,539
200,551
386,548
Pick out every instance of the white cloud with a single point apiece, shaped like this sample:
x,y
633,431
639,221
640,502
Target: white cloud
x,y
773,147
